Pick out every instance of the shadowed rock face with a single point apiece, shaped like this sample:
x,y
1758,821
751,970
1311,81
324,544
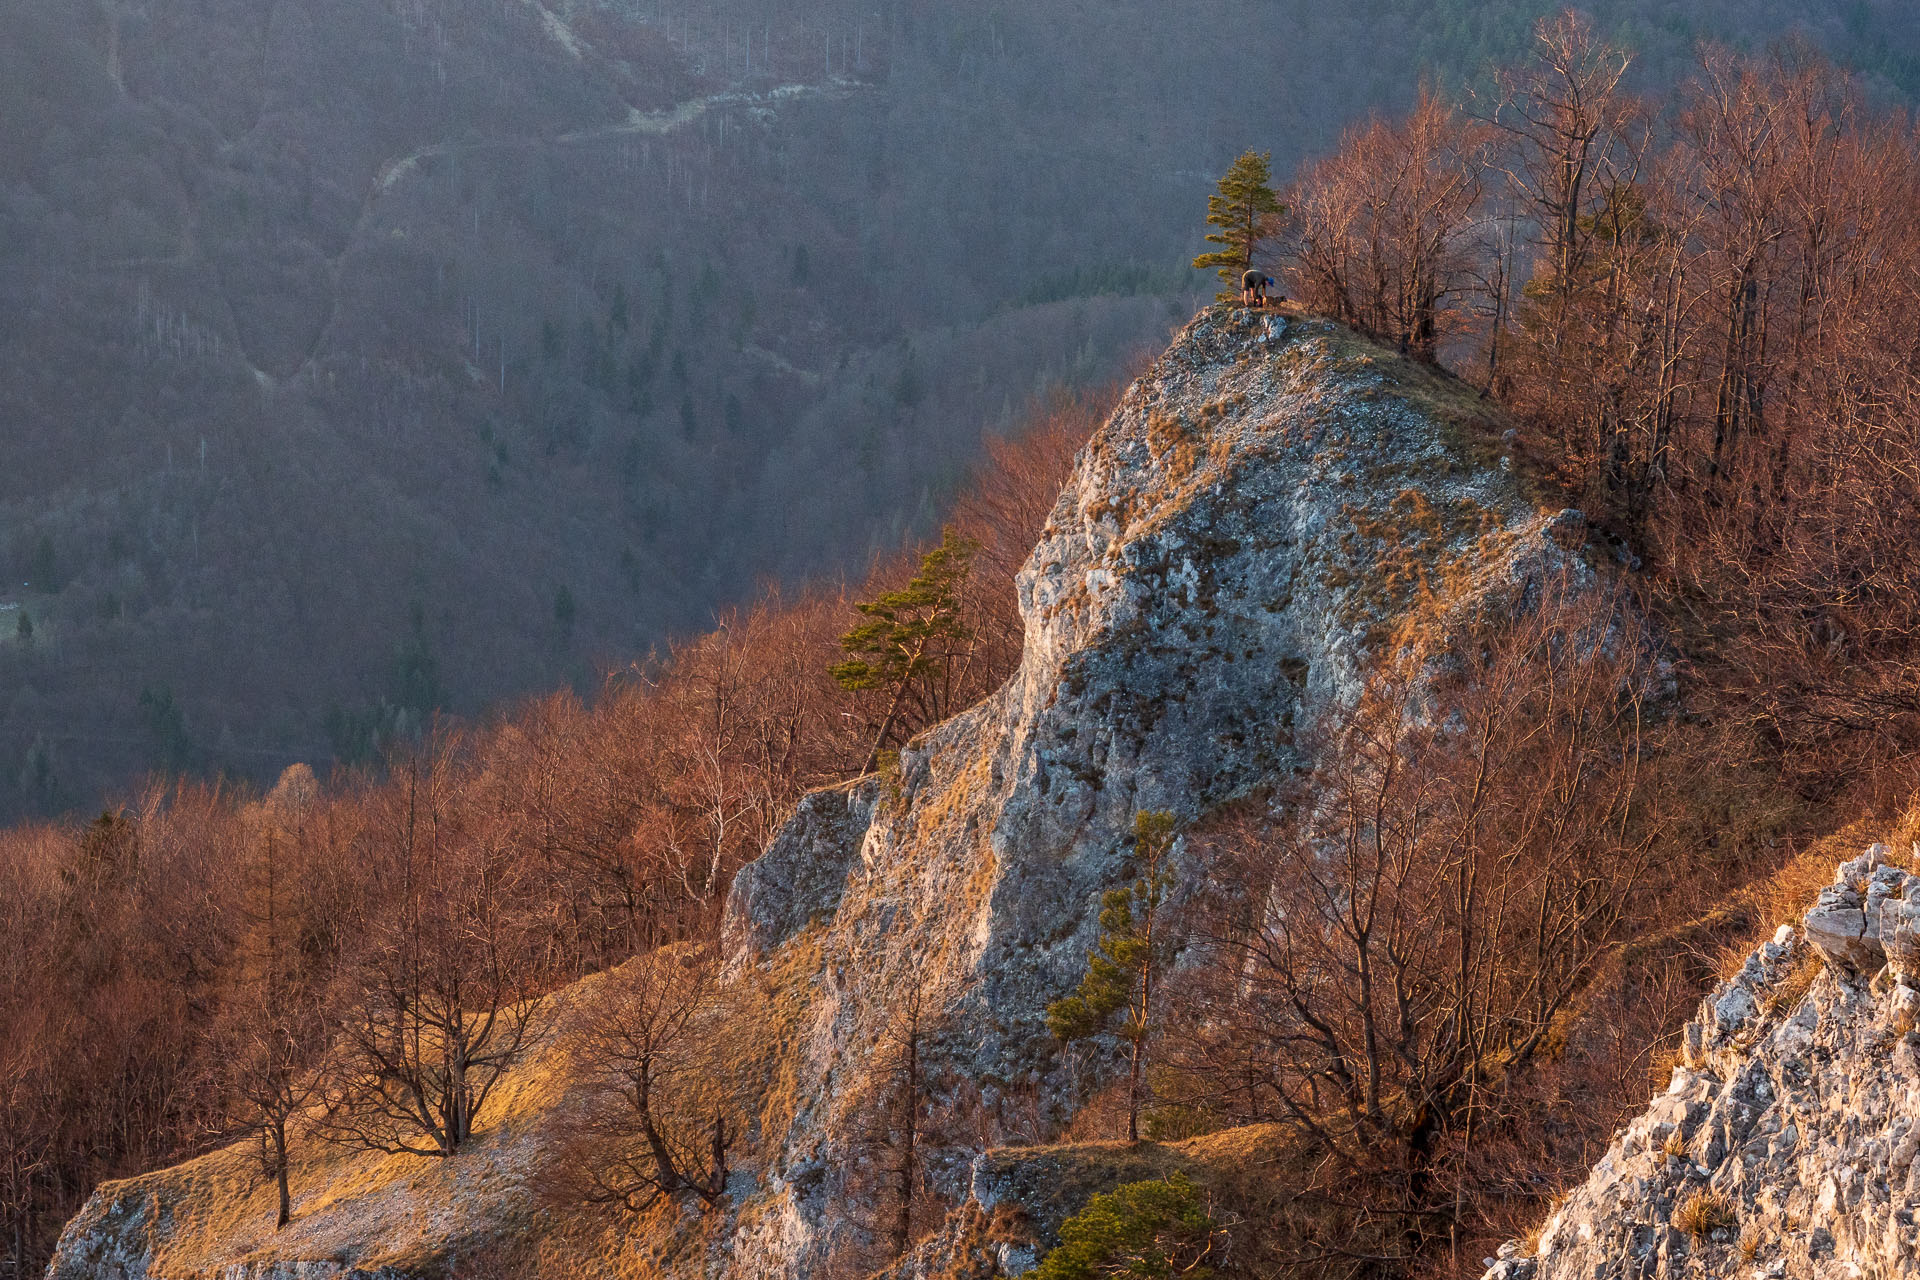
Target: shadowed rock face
x,y
1262,519
1224,569
1786,1144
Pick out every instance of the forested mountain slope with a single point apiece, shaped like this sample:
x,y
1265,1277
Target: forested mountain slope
x,y
372,356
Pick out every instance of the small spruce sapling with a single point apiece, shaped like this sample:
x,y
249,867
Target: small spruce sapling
x,y
1245,211
1124,968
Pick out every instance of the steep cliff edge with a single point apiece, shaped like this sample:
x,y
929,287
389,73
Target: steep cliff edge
x,y
1786,1144
1263,518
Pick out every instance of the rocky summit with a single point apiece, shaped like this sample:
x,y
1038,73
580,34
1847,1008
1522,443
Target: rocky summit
x,y
1786,1144
1275,508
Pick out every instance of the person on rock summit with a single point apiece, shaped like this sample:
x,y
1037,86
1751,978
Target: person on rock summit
x,y
1253,288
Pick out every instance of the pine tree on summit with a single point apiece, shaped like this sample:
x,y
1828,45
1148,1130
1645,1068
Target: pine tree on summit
x,y
1245,211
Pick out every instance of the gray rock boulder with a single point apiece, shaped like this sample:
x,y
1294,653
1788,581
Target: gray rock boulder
x,y
798,880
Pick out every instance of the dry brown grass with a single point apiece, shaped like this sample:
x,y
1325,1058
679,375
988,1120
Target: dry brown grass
x,y
1537,1232
1785,895
1904,836
1786,994
1703,1213
373,1208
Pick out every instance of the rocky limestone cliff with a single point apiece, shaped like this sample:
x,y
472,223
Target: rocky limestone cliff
x,y
1269,511
1786,1144
1235,551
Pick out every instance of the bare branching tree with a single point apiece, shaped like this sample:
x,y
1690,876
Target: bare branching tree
x,y
272,1028
1402,939
440,1005
1563,120
651,1041
1385,232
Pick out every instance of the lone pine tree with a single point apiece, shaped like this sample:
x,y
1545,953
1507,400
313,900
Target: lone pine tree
x,y
1127,959
1244,211
913,642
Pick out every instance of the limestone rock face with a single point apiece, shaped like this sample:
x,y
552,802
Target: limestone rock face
x,y
1791,1126
1267,514
1233,555
799,878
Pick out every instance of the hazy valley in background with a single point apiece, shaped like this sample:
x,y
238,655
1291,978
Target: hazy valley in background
x,y
371,357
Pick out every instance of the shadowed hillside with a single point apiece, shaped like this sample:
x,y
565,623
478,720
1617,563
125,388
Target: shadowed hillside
x,y
370,357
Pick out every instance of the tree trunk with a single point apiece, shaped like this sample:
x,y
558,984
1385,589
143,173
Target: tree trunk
x,y
667,1174
717,1174
1133,1090
909,1135
280,1174
893,712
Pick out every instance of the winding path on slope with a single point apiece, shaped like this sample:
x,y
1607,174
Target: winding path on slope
x,y
655,123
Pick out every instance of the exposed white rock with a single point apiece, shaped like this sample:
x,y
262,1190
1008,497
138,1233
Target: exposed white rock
x,y
1796,1108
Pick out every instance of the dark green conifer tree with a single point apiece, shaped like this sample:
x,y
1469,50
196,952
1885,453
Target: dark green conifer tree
x,y
912,638
1244,211
1152,1230
1127,959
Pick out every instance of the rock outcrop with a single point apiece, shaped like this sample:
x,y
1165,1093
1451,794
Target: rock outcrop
x,y
1786,1144
1265,517
1238,548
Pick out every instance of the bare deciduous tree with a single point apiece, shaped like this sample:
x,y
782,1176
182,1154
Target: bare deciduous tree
x,y
1563,117
441,1004
271,1030
1402,940
1384,234
655,1123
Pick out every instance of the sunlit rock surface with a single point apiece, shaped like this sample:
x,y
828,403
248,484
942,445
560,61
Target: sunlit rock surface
x,y
1238,547
1786,1144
